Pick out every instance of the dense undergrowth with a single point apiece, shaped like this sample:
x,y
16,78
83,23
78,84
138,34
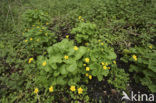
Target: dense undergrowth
x,y
78,51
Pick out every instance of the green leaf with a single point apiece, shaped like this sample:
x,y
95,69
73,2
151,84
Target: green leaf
x,y
72,67
55,59
95,66
111,55
105,72
56,73
63,69
100,77
60,81
54,66
81,51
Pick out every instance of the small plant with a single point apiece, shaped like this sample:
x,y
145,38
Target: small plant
x,y
38,37
142,64
118,78
32,17
84,32
101,56
78,93
63,64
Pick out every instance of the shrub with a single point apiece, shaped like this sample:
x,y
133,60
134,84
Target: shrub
x,y
62,65
84,32
31,17
101,57
143,62
118,78
38,37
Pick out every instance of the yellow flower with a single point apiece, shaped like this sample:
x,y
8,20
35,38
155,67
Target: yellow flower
x,y
36,91
25,40
30,60
66,57
84,64
90,77
67,36
72,88
87,60
114,62
102,63
51,89
86,44
104,67
44,63
150,46
87,68
134,57
99,40
80,17
108,67
31,39
86,74
102,43
76,48
80,90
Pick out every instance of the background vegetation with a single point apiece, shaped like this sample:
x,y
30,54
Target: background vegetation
x,y
90,50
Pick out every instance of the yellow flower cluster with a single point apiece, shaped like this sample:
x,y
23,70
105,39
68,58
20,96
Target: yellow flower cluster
x,y
51,89
80,90
134,57
80,18
105,65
